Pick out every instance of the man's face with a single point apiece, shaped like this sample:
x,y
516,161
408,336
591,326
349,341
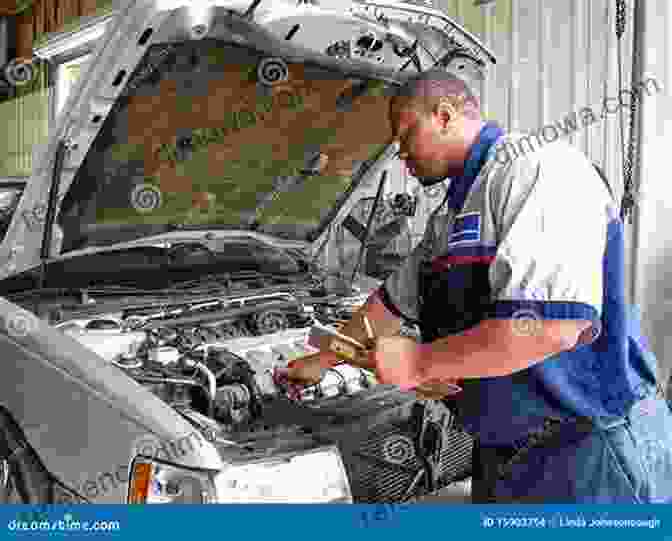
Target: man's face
x,y
422,145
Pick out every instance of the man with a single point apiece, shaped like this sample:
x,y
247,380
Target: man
x,y
518,290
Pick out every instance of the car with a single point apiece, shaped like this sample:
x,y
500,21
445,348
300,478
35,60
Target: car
x,y
215,186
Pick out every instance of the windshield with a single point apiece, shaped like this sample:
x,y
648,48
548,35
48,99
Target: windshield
x,y
215,134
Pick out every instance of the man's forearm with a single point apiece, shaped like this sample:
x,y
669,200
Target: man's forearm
x,y
490,349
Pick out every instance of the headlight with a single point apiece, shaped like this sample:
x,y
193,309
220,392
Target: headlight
x,y
316,476
155,481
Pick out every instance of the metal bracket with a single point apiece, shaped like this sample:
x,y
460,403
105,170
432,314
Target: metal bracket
x,y
430,426
4,475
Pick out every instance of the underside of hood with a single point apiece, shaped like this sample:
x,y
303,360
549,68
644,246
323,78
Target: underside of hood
x,y
262,116
209,137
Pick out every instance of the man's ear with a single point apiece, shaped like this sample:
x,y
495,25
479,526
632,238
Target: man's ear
x,y
447,114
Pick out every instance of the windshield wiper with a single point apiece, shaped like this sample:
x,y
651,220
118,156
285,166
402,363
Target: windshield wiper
x,y
229,279
83,294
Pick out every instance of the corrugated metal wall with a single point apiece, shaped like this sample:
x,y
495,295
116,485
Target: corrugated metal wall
x,y
653,234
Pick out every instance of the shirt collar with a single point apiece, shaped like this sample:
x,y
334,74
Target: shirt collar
x,y
478,154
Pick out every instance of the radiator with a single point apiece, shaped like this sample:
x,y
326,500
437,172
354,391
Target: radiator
x,y
375,432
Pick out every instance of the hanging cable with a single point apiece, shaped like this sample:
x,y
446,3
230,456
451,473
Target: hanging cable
x,y
628,155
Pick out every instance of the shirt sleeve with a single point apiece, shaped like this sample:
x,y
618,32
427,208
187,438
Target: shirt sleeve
x,y
550,216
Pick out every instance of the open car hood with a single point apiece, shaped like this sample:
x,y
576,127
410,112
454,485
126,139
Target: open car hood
x,y
262,116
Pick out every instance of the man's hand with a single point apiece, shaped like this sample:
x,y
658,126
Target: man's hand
x,y
381,323
310,370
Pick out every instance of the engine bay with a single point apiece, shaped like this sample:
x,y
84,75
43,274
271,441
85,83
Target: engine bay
x,y
219,363
221,358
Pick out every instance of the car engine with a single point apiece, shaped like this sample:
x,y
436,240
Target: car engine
x,y
219,363
221,358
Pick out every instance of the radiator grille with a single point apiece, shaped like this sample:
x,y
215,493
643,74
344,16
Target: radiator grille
x,y
379,475
375,434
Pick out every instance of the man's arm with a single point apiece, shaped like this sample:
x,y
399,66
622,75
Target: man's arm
x,y
493,348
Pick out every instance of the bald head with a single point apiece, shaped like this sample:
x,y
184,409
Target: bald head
x,y
435,118
425,91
